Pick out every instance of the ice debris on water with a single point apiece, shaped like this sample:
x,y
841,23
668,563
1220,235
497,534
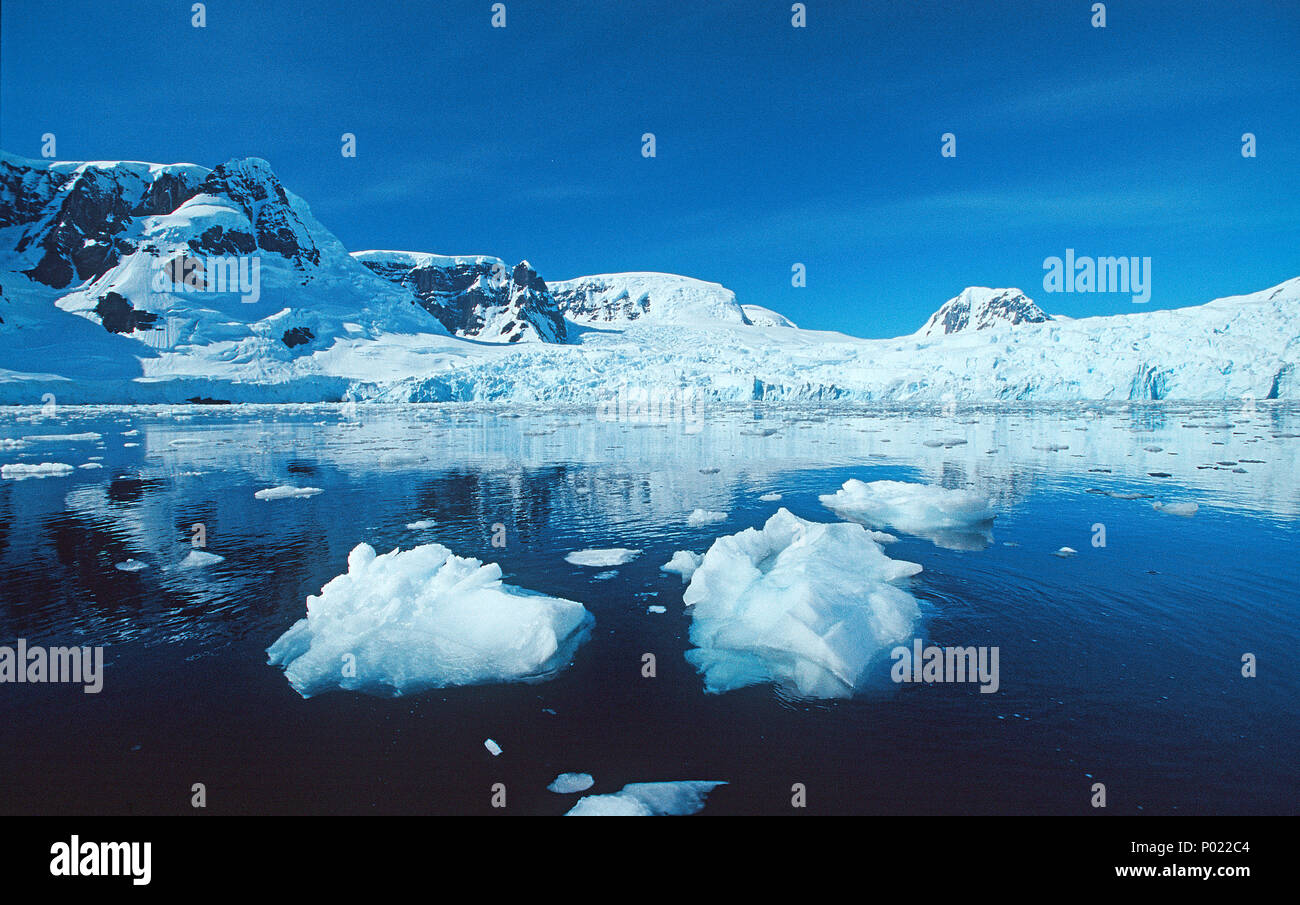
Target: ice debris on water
x,y
286,492
612,556
569,783
683,563
705,517
647,799
424,618
19,471
1186,510
493,748
950,518
803,605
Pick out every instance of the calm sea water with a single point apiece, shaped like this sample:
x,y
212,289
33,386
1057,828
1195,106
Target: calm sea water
x,y
1121,664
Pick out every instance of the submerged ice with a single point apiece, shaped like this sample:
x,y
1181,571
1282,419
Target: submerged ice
x,y
425,618
805,605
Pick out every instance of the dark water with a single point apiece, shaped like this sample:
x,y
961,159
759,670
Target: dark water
x,y
1120,665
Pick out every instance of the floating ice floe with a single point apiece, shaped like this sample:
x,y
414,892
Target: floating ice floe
x,y
87,437
956,519
657,609
1186,510
198,559
493,748
569,783
612,556
705,517
1065,552
19,471
90,466
287,492
770,497
647,799
424,618
131,565
804,605
421,524
683,563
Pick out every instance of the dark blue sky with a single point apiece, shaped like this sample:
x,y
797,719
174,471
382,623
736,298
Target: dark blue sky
x,y
775,145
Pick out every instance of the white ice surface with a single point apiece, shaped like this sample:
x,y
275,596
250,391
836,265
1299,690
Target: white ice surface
x,y
952,518
611,556
804,605
426,618
647,799
684,563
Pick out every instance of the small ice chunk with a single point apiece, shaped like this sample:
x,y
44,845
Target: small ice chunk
x,y
425,618
958,519
421,524
647,799
87,437
604,576
198,559
1065,551
804,605
770,497
705,517
657,609
19,471
286,492
569,783
492,747
131,565
684,563
612,556
1186,510
90,465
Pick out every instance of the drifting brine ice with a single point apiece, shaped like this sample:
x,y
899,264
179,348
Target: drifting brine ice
x,y
424,618
801,604
950,518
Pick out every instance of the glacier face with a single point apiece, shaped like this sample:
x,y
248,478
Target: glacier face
x,y
82,317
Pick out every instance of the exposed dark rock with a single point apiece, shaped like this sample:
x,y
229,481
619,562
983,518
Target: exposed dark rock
x,y
298,336
118,316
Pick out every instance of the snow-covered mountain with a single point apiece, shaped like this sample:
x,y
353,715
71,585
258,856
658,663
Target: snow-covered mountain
x,y
184,271
663,298
123,282
474,296
979,308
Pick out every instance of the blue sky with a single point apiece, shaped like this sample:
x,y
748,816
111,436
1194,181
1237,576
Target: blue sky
x,y
775,145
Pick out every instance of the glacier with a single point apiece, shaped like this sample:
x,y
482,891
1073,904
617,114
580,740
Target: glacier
x,y
83,319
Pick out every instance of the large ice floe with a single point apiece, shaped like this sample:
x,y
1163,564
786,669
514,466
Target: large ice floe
x,y
804,605
956,519
647,799
424,618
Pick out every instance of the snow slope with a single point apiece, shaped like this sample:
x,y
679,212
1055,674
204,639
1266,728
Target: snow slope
x,y
662,298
